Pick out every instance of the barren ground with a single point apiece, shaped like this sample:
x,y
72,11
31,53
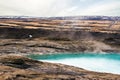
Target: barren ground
x,y
41,36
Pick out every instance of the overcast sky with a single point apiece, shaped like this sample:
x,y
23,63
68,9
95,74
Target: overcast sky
x,y
59,7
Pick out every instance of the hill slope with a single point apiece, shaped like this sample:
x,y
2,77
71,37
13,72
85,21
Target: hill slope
x,y
21,68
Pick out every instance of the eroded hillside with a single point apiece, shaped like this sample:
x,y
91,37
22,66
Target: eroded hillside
x,y
37,35
24,36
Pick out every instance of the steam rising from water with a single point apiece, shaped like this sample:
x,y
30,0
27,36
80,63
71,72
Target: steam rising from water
x,y
99,46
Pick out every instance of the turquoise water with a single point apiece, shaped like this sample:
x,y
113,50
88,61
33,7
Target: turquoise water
x,y
109,63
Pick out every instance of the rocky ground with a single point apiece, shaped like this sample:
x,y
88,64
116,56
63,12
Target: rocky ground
x,y
41,46
41,36
37,36
20,68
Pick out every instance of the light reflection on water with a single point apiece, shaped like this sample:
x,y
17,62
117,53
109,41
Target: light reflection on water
x,y
109,63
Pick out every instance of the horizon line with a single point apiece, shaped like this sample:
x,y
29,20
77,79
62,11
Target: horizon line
x,y
58,16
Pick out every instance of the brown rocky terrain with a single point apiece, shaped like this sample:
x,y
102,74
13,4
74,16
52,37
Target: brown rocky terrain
x,y
24,36
21,68
34,35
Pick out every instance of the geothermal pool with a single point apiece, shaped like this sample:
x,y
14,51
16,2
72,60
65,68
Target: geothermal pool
x,y
109,63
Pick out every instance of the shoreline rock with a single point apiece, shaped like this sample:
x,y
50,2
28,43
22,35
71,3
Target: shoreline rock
x,y
14,67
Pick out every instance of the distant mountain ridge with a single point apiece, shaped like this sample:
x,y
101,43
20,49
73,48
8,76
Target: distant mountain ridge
x,y
68,17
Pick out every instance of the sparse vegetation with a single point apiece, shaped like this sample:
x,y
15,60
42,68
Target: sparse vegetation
x,y
54,35
42,71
